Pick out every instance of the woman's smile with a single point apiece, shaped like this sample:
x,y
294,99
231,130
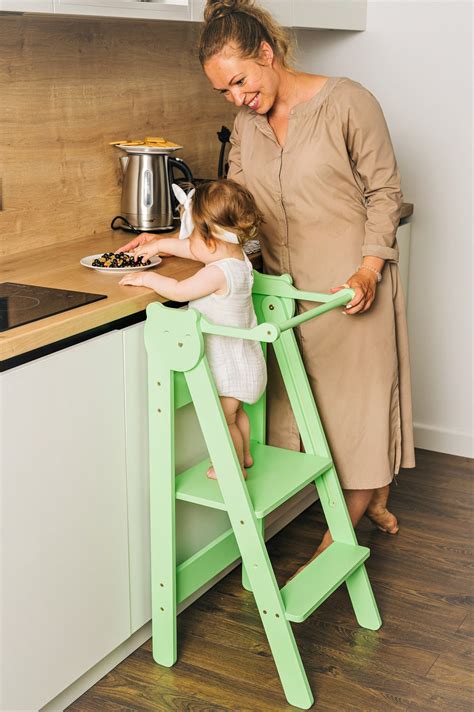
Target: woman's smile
x,y
254,103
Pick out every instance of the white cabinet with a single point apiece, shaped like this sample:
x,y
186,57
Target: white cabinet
x,y
146,9
64,570
403,240
195,526
318,14
330,14
26,6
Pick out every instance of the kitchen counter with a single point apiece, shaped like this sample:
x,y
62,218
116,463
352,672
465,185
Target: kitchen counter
x,y
60,267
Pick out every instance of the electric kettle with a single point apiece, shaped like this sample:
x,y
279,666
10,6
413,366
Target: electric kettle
x,y
148,203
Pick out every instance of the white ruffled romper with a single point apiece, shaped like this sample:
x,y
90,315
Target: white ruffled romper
x,y
238,365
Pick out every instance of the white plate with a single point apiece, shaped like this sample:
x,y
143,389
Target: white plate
x,y
147,149
87,262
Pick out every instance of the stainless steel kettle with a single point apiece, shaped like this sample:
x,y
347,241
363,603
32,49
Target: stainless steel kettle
x,y
148,204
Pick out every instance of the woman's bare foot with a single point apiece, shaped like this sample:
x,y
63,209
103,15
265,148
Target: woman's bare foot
x,y
211,473
326,541
378,513
383,519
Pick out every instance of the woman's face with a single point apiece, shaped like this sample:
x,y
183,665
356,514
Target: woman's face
x,y
248,82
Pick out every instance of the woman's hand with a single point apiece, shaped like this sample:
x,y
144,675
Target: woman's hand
x,y
365,286
137,241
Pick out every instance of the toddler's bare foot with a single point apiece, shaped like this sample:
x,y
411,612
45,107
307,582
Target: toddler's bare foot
x,y
211,473
327,541
248,460
383,519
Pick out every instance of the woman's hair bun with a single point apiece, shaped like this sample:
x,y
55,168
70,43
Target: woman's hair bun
x,y
219,8
244,24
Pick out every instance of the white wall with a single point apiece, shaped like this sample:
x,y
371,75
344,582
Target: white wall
x,y
416,58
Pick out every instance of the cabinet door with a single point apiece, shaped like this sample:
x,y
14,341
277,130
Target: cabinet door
x,y
196,526
64,556
330,14
147,9
403,239
26,6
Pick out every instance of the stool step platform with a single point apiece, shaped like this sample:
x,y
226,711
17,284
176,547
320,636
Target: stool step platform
x,y
275,476
308,589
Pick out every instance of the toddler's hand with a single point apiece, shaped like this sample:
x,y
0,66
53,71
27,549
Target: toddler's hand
x,y
135,280
148,250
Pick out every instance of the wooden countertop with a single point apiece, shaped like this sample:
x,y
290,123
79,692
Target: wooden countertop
x,y
60,267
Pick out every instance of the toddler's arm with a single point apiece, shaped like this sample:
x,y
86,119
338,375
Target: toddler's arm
x,y
164,246
207,281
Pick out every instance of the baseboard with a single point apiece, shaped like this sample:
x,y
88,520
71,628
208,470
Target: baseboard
x,y
451,442
276,521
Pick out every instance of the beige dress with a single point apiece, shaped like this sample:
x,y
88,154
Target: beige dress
x,y
329,197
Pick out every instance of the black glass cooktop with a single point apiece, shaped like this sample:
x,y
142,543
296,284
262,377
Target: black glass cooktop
x,y
22,303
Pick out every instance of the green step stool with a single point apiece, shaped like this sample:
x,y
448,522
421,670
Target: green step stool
x,y
178,374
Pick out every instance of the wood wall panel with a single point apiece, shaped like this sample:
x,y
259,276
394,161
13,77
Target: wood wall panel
x,y
68,87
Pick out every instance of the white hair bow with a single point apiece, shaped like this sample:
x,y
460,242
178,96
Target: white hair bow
x,y
187,223
186,201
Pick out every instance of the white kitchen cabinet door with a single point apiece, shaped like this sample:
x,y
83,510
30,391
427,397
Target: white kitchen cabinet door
x,y
64,572
317,14
26,6
196,526
280,9
146,9
403,240
330,14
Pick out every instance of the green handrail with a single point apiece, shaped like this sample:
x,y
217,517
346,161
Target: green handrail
x,y
269,332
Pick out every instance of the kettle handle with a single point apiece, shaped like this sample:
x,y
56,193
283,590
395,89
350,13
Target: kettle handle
x,y
182,166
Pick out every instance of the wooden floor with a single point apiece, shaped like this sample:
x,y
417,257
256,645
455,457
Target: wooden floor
x,y
421,659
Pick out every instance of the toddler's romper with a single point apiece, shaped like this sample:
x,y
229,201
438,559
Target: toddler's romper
x,y
237,365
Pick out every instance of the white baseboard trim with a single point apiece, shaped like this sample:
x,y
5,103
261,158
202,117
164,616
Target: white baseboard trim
x,y
452,442
274,523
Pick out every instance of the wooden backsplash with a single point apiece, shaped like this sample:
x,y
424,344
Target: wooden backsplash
x,y
69,86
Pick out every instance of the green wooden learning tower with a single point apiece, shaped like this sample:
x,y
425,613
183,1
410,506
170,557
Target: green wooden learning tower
x,y
178,374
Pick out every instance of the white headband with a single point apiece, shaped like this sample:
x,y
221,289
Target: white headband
x,y
187,224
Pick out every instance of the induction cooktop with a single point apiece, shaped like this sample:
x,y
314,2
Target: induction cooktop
x,y
23,303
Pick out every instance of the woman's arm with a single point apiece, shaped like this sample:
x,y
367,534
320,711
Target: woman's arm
x,y
135,242
207,281
371,152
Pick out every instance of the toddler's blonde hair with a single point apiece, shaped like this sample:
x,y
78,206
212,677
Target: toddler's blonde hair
x,y
225,204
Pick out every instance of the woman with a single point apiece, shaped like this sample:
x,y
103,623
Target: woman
x,y
316,154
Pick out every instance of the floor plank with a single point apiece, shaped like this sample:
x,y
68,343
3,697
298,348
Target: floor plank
x,y
421,659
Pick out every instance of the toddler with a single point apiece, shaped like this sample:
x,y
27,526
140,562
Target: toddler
x,y
217,218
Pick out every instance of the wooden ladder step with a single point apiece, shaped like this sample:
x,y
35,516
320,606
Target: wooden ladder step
x,y
308,589
275,476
